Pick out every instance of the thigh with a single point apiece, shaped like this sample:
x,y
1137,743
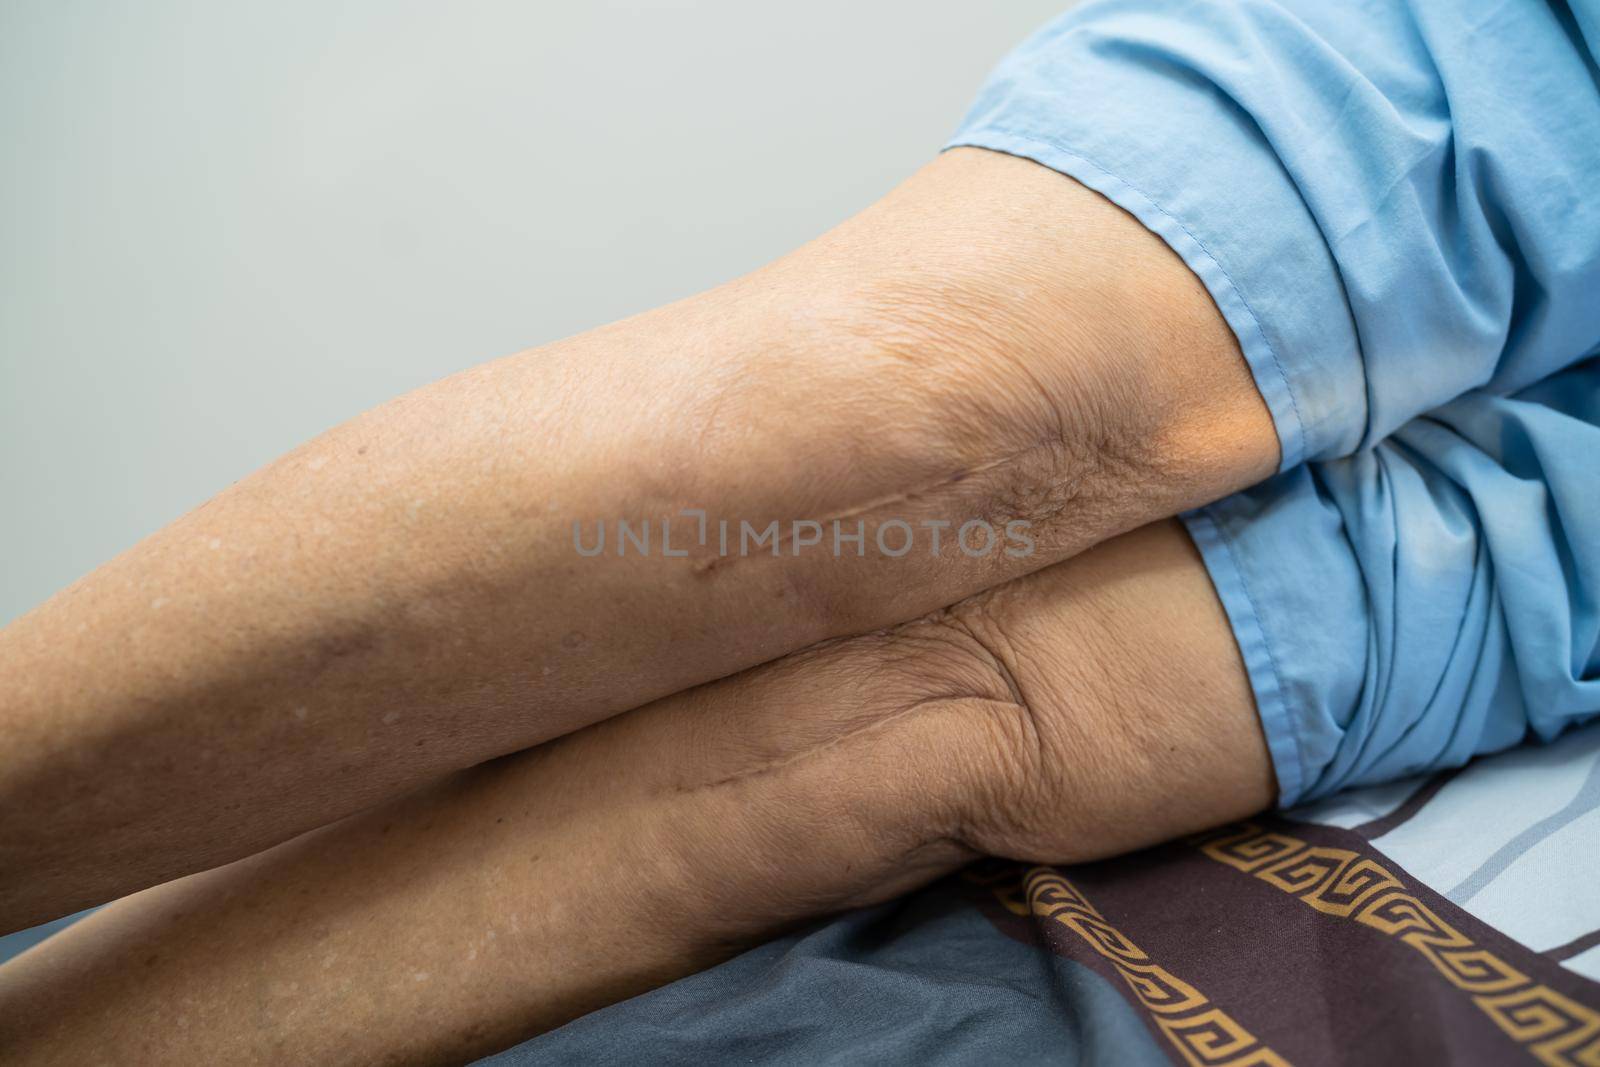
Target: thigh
x,y
403,597
1091,708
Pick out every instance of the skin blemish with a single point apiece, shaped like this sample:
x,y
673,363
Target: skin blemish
x,y
332,649
930,489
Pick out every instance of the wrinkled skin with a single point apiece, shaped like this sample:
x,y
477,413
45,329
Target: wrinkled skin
x,y
399,599
1085,710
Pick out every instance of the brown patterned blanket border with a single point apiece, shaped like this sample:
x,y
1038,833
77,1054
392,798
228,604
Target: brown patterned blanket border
x,y
1273,942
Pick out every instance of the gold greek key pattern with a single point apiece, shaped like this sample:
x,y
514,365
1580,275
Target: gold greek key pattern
x,y
1202,1033
1555,1029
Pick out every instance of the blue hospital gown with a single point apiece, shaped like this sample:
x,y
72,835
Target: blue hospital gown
x,y
1395,204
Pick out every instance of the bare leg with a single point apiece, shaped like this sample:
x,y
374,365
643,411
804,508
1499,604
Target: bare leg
x,y
401,597
1091,708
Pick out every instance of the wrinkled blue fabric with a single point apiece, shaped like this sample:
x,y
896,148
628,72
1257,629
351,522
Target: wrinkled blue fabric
x,y
1392,201
1396,206
1425,601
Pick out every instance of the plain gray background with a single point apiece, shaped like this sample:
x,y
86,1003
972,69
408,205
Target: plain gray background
x,y
227,226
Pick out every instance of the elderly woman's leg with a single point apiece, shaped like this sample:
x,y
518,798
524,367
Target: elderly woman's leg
x,y
1091,708
402,597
